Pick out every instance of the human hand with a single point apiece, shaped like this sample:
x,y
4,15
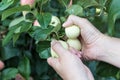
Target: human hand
x,y
92,40
1,65
68,65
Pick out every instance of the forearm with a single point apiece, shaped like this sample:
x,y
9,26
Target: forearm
x,y
111,53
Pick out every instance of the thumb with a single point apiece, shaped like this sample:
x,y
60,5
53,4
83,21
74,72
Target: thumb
x,y
53,62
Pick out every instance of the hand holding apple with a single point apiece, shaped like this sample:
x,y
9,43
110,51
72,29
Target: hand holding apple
x,y
68,65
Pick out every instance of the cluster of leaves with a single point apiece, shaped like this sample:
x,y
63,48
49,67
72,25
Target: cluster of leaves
x,y
24,48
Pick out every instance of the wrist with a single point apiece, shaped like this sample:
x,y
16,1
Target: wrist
x,y
77,77
111,51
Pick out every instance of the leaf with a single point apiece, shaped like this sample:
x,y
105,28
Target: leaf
x,y
41,34
44,19
11,11
24,68
75,10
87,3
113,14
5,4
16,21
15,38
56,29
118,75
43,48
39,67
64,2
9,73
19,28
8,52
106,70
22,27
7,39
25,26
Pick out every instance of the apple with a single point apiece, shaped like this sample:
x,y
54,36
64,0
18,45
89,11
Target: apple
x,y
98,11
55,21
1,65
75,43
36,23
72,31
28,2
64,44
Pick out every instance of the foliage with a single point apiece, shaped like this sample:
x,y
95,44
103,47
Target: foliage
x,y
24,47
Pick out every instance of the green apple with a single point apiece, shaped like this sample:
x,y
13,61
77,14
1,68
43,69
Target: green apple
x,y
55,21
75,43
72,31
64,44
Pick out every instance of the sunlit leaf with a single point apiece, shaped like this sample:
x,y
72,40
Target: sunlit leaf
x,y
11,11
44,19
5,4
75,10
41,34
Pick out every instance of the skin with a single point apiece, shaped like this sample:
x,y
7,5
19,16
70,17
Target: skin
x,y
95,46
68,65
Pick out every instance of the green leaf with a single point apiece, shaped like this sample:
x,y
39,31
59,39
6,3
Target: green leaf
x,y
7,39
57,28
11,11
113,14
64,2
44,19
9,73
15,38
41,34
5,4
87,3
118,75
24,68
43,48
16,21
22,27
25,26
8,52
75,10
106,70
19,28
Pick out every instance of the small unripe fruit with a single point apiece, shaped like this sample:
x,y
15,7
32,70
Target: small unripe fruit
x,y
75,43
1,65
36,23
27,2
64,44
55,21
72,31
98,10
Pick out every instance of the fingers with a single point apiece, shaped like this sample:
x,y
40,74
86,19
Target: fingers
x,y
77,21
1,65
74,51
53,62
58,48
